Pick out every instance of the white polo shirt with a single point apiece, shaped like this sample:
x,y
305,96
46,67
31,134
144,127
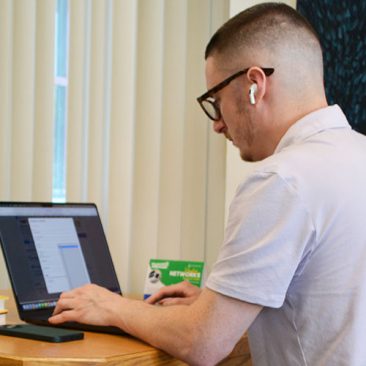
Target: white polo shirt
x,y
295,243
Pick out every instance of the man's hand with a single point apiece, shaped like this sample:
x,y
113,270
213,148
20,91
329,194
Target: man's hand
x,y
183,293
89,304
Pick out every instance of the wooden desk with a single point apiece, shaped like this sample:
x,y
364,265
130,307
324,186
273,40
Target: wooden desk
x,y
94,349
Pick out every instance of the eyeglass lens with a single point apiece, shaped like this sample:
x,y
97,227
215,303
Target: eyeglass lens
x,y
211,109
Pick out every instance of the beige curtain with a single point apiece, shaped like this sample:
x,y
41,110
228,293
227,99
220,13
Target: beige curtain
x,y
137,143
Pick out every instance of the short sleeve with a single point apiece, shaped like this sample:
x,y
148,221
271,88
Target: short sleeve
x,y
268,233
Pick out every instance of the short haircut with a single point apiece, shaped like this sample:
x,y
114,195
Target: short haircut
x,y
264,25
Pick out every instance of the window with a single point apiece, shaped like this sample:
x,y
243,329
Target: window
x,y
61,81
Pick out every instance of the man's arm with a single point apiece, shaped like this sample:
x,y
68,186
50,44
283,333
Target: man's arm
x,y
202,333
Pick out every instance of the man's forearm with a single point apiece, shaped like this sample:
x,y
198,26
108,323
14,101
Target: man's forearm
x,y
174,329
202,333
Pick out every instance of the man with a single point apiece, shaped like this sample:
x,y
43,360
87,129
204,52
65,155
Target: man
x,y
292,268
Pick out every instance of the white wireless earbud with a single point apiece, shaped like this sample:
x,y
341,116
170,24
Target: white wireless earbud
x,y
252,90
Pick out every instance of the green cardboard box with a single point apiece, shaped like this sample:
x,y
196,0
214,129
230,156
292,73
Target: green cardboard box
x,y
161,272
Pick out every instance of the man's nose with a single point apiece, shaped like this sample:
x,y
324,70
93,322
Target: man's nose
x,y
219,126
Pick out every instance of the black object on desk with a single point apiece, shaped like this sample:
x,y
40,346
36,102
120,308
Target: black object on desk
x,y
48,334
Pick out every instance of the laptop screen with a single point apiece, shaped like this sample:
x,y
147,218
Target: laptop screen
x,y
50,248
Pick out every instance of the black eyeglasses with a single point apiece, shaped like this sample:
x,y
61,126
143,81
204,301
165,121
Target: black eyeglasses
x,y
208,103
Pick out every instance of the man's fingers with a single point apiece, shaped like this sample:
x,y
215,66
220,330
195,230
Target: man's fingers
x,y
180,291
68,294
153,299
63,304
64,316
168,301
168,291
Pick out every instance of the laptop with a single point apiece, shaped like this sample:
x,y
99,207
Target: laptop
x,y
50,248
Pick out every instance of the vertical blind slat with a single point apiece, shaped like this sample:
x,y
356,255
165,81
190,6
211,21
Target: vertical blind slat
x,y
96,103
195,135
77,130
147,137
44,101
24,27
122,136
172,130
6,26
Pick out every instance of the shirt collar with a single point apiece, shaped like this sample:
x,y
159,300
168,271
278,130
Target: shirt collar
x,y
313,123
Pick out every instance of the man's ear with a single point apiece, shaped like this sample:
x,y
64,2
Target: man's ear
x,y
258,83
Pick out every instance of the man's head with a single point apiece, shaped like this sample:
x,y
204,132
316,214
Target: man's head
x,y
275,60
